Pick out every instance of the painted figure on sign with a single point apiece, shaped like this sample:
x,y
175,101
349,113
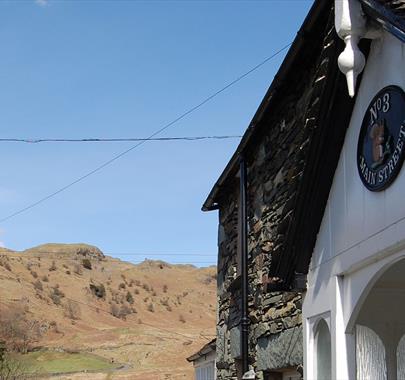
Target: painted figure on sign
x,y
380,143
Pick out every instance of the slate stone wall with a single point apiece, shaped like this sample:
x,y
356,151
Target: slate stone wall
x,y
276,162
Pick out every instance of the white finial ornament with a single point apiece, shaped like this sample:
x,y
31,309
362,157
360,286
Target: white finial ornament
x,y
350,24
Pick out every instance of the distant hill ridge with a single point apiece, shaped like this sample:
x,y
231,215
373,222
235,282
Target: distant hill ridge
x,y
150,316
55,248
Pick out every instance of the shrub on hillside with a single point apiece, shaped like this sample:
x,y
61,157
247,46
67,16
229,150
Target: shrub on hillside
x,y
124,311
38,285
56,295
129,298
5,264
209,278
34,274
77,269
164,302
151,308
120,311
55,299
98,290
72,310
86,264
53,267
115,310
182,319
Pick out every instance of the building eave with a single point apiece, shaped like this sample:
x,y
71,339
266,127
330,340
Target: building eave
x,y
206,349
303,36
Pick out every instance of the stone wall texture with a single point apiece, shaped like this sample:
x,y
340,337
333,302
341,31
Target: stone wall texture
x,y
276,161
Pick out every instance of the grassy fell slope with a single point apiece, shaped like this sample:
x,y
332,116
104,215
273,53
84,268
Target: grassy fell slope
x,y
147,317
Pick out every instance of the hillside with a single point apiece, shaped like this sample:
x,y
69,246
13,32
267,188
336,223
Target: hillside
x,y
138,321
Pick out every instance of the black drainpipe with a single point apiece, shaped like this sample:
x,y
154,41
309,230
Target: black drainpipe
x,y
244,266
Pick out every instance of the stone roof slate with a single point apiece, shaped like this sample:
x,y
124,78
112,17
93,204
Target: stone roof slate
x,y
321,153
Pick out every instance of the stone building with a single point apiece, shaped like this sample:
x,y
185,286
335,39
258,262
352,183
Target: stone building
x,y
272,196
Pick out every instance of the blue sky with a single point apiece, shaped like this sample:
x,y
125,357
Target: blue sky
x,y
72,69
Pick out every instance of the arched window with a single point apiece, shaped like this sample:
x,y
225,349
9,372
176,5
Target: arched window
x,y
323,359
401,359
370,355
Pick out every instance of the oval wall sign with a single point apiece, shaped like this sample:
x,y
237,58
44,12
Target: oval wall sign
x,y
381,146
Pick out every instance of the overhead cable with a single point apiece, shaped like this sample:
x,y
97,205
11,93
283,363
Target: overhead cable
x,y
121,139
157,132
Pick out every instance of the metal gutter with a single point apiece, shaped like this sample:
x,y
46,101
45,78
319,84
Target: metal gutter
x,y
302,37
244,265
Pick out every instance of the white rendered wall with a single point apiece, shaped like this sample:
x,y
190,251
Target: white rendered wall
x,y
362,232
204,367
354,214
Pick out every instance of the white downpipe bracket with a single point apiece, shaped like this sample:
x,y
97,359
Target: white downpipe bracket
x,y
350,24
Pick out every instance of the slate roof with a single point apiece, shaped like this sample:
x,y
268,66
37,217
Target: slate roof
x,y
322,157
388,13
304,37
206,349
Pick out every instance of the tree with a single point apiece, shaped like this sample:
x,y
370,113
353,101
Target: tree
x,y
17,331
10,368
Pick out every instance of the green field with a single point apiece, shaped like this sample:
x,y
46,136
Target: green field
x,y
48,362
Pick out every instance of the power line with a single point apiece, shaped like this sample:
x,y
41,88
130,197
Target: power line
x,y
123,139
113,254
166,126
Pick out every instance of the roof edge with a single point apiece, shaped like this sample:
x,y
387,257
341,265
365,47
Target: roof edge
x,y
206,349
298,43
